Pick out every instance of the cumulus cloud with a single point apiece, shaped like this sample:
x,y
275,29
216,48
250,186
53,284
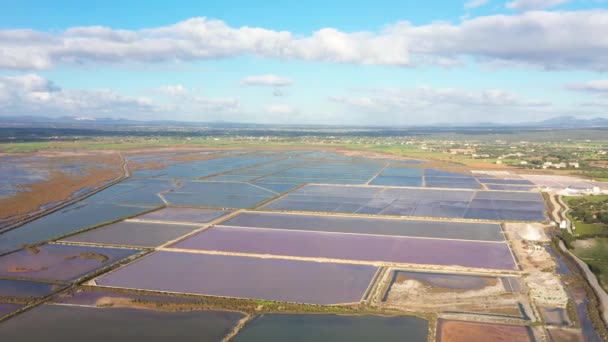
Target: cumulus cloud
x,y
173,90
532,38
475,3
443,105
32,94
386,99
526,5
602,105
31,83
192,39
536,38
266,80
281,108
595,86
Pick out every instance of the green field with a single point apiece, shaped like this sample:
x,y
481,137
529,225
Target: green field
x,y
587,229
593,250
595,253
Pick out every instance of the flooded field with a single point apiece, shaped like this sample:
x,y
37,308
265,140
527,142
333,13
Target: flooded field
x,y
366,225
139,234
353,247
65,221
26,290
105,297
308,232
189,215
198,199
446,281
242,277
28,183
70,323
8,308
59,262
487,205
333,328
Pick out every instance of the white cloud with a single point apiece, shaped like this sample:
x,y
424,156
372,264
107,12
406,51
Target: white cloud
x,y
173,90
281,108
602,105
475,3
266,80
31,83
595,86
536,38
192,39
427,96
422,105
532,38
526,5
31,94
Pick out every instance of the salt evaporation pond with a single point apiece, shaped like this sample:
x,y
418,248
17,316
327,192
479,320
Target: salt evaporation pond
x,y
367,225
70,323
190,215
60,262
8,308
139,234
26,289
244,277
359,247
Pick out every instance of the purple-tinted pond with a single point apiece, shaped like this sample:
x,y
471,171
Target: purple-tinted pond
x,y
353,247
96,296
184,215
368,225
7,308
59,262
70,323
139,234
26,289
243,277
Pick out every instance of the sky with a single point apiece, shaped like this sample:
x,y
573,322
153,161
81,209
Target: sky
x,y
306,62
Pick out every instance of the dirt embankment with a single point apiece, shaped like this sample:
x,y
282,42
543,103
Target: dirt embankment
x,y
527,243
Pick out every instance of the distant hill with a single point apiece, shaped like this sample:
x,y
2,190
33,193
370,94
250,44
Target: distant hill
x,y
571,121
89,122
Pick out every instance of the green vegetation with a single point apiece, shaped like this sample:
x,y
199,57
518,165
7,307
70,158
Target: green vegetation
x,y
24,147
601,175
589,215
89,256
251,306
600,269
595,254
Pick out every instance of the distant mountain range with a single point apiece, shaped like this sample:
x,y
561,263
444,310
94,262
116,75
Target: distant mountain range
x,y
571,121
89,122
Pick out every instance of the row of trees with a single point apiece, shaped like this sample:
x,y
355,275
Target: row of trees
x,y
589,211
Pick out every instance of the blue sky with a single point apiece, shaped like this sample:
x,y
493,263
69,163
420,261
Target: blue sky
x,y
333,62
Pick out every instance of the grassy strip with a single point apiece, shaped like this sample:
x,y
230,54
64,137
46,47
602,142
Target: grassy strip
x,y
185,302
